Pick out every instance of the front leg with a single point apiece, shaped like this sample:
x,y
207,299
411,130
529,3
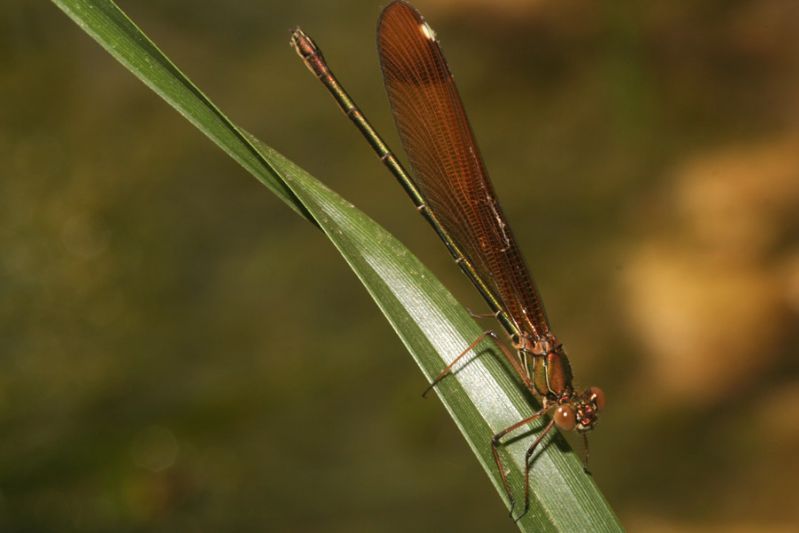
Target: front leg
x,y
495,443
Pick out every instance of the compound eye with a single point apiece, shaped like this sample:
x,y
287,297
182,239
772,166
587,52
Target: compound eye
x,y
598,397
564,418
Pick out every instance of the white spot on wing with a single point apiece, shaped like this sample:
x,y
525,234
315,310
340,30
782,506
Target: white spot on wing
x,y
427,31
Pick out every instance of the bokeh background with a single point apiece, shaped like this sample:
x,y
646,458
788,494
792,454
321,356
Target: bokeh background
x,y
181,352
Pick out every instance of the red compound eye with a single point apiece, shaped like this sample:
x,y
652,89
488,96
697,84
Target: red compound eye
x,y
564,418
598,397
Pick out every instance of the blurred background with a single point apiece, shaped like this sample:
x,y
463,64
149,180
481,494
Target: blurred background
x,y
181,352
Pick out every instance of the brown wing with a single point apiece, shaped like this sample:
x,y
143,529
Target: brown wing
x,y
447,165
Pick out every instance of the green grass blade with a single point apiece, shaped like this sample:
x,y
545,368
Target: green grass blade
x,y
482,397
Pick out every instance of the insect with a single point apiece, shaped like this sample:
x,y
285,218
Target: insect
x,y
451,189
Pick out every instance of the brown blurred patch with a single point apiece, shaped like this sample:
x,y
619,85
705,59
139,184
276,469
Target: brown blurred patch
x,y
708,301
498,8
737,202
651,524
767,28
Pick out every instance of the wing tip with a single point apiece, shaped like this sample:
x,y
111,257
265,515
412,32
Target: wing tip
x,y
400,8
